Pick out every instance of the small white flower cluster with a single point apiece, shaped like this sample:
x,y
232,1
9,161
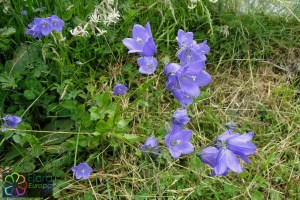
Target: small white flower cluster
x,y
104,14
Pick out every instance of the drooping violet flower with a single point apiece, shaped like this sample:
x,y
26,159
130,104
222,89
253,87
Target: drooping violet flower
x,y
11,120
183,98
180,118
147,65
56,23
141,42
83,170
34,32
120,89
184,39
187,78
190,51
178,141
150,144
43,25
222,157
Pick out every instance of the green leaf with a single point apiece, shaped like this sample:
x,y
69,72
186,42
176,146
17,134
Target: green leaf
x,y
36,150
29,94
8,82
123,123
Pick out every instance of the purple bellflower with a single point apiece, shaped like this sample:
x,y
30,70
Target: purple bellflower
x,y
11,120
44,26
56,23
82,170
178,141
222,157
141,42
184,81
183,98
190,51
147,65
120,89
180,118
150,144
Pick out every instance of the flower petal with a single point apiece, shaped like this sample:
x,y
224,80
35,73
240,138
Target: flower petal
x,y
184,147
139,33
189,86
149,48
209,155
132,45
174,153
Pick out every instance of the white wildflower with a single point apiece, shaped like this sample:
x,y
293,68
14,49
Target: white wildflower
x,y
79,31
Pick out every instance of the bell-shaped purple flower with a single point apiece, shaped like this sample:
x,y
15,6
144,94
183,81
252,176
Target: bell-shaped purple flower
x,y
147,65
180,118
184,39
190,51
34,33
56,23
11,120
82,170
120,89
187,78
150,144
43,25
142,41
178,141
183,98
223,156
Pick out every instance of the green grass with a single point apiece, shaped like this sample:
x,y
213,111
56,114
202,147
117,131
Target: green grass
x,y
70,115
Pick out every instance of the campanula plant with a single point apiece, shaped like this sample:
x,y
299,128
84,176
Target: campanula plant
x,y
223,155
120,89
44,26
11,120
185,79
142,43
178,141
83,170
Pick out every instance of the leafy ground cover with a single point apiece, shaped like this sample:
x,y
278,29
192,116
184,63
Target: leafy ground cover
x,y
62,87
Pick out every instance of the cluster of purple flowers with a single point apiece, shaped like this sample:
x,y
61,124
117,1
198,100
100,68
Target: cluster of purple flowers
x,y
44,26
142,43
186,78
222,157
177,140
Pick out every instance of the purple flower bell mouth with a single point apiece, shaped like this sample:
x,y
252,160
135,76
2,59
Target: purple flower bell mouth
x,y
120,89
142,41
82,170
178,141
223,156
